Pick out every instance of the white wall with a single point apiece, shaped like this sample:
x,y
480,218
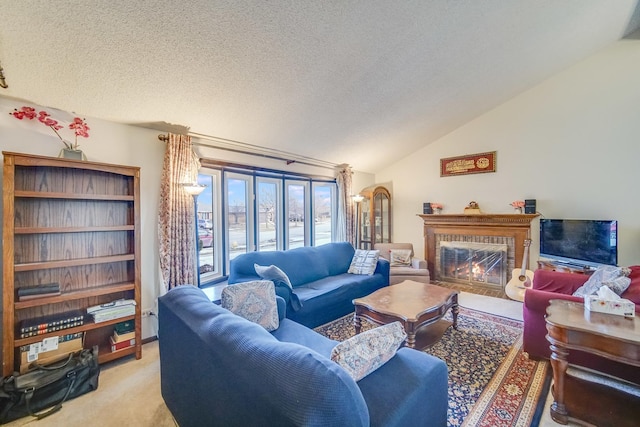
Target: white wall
x,y
134,146
572,143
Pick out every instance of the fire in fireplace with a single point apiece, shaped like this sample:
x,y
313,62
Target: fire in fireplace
x,y
473,263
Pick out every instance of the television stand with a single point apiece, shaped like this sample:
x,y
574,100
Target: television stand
x,y
564,267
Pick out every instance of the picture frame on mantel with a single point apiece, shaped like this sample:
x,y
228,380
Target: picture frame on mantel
x,y
468,164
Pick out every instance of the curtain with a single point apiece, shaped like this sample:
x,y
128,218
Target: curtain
x,y
346,231
176,214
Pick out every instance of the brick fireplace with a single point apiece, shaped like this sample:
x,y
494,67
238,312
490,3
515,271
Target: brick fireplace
x,y
479,249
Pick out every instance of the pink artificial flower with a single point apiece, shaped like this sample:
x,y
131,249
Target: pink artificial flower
x,y
79,126
518,204
27,112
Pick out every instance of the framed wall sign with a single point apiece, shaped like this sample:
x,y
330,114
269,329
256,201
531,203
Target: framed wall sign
x,y
468,164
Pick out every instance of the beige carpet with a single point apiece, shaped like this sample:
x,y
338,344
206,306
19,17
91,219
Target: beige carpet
x,y
128,394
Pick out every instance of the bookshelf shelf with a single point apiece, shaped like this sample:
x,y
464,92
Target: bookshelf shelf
x,y
75,224
72,262
106,355
88,326
45,230
71,196
79,294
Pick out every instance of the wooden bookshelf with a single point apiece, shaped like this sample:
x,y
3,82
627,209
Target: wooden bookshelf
x,y
75,223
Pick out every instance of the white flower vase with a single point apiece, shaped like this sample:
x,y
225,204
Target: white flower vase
x,y
518,210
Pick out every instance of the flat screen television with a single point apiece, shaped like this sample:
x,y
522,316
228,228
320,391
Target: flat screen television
x,y
580,242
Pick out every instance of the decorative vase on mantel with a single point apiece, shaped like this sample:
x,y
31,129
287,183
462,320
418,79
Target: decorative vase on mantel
x,y
72,153
518,210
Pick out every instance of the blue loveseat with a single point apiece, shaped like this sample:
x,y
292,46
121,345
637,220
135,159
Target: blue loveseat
x,y
218,369
319,278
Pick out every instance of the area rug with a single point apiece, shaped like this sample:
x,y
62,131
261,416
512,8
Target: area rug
x,y
491,380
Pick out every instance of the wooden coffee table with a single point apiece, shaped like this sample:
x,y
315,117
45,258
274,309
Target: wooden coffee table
x,y
571,327
415,305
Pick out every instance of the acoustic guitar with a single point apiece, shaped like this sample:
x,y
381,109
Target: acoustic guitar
x,y
521,278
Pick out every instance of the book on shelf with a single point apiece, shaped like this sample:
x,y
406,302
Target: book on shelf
x,y
38,296
115,346
123,337
51,323
113,310
125,326
40,289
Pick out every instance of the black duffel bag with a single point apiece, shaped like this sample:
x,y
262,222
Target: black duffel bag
x,y
42,392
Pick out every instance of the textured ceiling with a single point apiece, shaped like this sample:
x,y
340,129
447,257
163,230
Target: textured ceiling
x,y
361,82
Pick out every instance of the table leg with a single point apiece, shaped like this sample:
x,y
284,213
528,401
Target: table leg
x,y
559,365
410,329
454,311
357,322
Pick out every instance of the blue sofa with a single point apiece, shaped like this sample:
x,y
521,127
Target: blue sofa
x,y
319,278
218,369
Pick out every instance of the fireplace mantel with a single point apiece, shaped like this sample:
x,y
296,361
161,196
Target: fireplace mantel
x,y
516,226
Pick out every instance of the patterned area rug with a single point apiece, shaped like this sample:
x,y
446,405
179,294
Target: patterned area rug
x,y
491,381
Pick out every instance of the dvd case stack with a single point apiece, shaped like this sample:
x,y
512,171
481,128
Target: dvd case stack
x,y
44,325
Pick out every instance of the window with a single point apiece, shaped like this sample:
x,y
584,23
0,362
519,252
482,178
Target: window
x,y
269,214
296,209
238,217
324,202
208,244
243,210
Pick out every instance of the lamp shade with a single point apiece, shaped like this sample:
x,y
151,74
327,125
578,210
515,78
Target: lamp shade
x,y
194,189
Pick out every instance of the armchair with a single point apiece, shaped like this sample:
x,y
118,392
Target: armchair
x,y
416,270
549,285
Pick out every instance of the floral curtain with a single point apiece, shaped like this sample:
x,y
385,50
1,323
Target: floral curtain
x,y
176,225
346,230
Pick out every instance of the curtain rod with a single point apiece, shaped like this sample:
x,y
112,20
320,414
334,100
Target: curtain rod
x,y
237,147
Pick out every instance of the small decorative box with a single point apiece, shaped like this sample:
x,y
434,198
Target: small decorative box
x,y
621,307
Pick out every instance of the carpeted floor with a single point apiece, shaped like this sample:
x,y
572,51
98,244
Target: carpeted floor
x,y
491,382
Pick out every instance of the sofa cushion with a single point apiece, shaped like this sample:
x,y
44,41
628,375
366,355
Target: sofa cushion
x,y
281,282
362,354
400,257
408,271
332,297
364,262
255,301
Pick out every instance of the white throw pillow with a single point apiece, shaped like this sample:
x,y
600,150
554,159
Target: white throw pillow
x,y
400,257
362,354
364,262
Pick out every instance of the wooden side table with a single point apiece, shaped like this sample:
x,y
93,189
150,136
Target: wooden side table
x,y
571,327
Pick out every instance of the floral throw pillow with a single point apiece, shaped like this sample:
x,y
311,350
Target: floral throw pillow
x,y
400,257
364,262
362,354
255,301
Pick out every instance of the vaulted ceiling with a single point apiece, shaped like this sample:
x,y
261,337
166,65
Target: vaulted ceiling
x,y
365,82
